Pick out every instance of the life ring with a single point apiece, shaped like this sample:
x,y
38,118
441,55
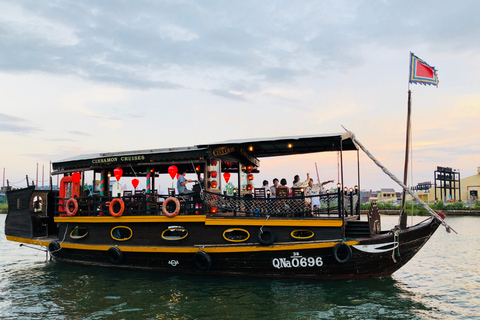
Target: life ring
x,y
202,260
54,247
115,255
266,236
344,247
73,202
177,208
112,204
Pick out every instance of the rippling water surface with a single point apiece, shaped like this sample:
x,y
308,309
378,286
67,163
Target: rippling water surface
x,y
441,282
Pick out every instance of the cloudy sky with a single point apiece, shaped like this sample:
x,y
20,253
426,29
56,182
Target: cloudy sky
x,y
93,76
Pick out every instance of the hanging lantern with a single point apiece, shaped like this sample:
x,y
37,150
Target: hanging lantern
x,y
213,174
226,176
249,187
250,177
172,171
118,173
135,183
197,168
213,184
213,210
76,176
213,162
249,168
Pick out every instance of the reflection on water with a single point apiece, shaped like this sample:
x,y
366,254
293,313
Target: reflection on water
x,y
441,282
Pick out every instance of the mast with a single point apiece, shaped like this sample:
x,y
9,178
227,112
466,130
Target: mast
x,y
403,214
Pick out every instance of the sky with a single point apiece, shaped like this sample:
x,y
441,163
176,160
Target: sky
x,y
79,77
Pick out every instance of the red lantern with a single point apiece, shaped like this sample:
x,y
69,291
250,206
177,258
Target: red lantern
x,y
249,168
76,176
197,168
118,173
249,187
226,176
135,183
213,162
213,184
172,171
213,210
250,177
213,174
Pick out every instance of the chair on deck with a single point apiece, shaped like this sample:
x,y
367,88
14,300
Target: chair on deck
x,y
282,192
171,192
259,193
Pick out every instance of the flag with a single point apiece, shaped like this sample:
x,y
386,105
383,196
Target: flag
x,y
421,72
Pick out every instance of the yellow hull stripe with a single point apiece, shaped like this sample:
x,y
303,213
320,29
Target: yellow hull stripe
x,y
204,219
209,249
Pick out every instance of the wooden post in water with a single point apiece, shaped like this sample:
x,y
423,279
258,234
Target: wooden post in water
x,y
403,214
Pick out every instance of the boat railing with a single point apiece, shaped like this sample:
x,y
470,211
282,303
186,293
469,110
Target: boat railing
x,y
325,204
334,204
133,205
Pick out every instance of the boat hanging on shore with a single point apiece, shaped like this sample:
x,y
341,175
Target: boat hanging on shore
x,y
210,231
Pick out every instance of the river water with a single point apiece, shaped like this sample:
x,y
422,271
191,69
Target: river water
x,y
441,282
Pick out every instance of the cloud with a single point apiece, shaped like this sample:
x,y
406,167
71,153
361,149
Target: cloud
x,y
14,124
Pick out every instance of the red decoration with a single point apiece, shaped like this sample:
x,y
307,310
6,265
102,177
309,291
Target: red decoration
x,y
197,168
172,171
213,210
226,176
118,173
213,184
76,176
213,174
135,183
249,187
249,168
213,162
250,176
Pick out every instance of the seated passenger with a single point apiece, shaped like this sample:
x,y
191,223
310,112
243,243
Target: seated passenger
x,y
273,188
182,185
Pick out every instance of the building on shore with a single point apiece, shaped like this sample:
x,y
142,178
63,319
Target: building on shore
x,y
448,187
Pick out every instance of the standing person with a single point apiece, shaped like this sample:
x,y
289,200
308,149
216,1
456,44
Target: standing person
x,y
182,185
273,189
297,183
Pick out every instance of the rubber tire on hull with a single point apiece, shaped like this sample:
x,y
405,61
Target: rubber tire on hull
x,y
54,247
266,236
342,247
115,255
203,261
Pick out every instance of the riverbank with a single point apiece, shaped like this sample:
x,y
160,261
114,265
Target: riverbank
x,y
456,213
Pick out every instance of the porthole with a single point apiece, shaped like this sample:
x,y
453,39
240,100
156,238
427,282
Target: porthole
x,y
174,233
302,234
78,232
121,233
236,235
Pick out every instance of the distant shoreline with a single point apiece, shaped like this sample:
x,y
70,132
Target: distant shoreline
x,y
456,213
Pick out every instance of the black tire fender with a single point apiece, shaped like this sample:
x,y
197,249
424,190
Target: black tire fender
x,y
345,252
266,236
115,255
203,261
54,247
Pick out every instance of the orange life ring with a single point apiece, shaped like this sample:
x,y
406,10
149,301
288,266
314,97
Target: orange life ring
x,y
177,209
73,202
112,204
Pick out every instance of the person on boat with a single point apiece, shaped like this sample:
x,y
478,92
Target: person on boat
x,y
273,189
315,189
265,186
297,183
182,185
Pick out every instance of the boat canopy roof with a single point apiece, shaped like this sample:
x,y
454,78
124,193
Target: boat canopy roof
x,y
246,151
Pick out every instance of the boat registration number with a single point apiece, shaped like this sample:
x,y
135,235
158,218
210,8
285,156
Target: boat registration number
x,y
297,261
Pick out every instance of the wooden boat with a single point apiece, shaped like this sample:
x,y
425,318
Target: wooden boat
x,y
212,232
